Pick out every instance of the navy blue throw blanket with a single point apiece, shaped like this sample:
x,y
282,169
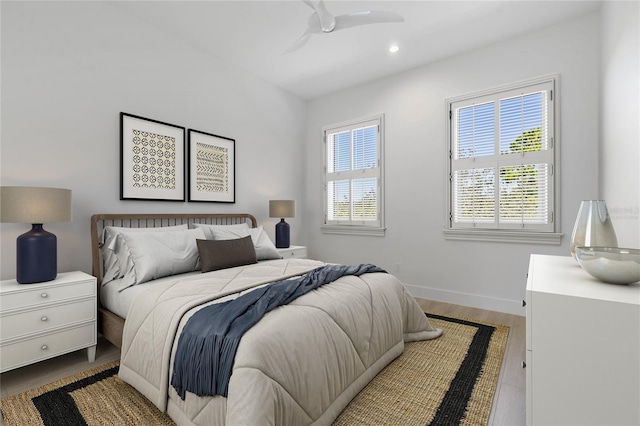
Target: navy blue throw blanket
x,y
208,343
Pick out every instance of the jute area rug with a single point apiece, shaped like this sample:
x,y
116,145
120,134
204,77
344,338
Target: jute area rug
x,y
447,381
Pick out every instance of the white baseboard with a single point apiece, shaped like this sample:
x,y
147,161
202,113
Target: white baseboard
x,y
466,299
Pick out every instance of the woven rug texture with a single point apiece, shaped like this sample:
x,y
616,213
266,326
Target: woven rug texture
x,y
447,381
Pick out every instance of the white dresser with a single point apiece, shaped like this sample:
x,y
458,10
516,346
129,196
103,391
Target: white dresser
x,y
583,347
40,321
293,251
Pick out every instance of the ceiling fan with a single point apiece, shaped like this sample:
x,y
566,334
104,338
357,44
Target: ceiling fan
x,y
322,21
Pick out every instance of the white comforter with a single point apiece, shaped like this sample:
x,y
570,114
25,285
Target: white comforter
x,y
301,364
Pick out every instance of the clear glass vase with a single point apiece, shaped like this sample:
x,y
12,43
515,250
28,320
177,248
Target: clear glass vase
x,y
593,227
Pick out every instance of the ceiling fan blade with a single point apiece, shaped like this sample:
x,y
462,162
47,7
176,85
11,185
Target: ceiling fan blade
x,y
313,28
313,24
365,18
308,3
298,44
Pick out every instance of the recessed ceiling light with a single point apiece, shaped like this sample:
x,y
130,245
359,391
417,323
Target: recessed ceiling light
x,y
394,48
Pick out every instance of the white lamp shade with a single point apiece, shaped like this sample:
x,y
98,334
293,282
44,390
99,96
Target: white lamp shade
x,y
28,204
282,208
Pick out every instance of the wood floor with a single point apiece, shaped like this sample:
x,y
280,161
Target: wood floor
x,y
508,405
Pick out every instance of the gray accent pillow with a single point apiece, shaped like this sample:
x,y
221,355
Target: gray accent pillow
x,y
221,254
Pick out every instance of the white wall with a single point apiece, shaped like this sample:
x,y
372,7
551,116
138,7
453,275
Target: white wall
x,y
488,275
620,118
69,68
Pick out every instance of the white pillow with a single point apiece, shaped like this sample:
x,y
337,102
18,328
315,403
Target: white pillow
x,y
115,253
207,228
160,254
264,247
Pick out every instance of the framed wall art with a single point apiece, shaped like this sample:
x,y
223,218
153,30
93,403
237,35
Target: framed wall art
x,y
151,159
212,171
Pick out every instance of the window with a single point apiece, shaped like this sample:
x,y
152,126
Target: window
x,y
501,164
353,177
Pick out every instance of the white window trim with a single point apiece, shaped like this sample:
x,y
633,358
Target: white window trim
x,y
503,236
371,231
507,235
351,229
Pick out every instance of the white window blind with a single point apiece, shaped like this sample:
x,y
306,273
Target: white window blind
x,y
353,178
501,150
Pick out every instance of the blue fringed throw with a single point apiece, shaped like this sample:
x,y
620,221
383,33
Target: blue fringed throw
x,y
208,343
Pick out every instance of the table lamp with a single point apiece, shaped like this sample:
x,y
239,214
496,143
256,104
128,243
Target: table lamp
x,y
37,249
282,209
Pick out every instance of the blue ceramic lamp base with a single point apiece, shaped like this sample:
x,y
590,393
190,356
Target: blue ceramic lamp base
x,y
36,256
282,234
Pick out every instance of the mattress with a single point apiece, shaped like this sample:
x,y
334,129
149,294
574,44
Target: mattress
x,y
119,302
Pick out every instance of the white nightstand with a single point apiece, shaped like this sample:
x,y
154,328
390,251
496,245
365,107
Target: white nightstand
x,y
44,320
299,252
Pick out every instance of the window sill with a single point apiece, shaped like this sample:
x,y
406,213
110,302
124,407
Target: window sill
x,y
550,238
370,231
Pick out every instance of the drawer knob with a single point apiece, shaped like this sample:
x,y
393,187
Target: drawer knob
x,y
524,364
44,295
524,303
44,318
44,347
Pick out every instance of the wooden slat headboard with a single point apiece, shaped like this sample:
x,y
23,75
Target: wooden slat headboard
x,y
99,221
111,325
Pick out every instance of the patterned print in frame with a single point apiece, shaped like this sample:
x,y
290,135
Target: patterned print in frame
x,y
212,171
211,167
154,160
152,163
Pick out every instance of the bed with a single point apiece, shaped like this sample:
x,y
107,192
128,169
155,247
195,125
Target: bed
x,y
300,364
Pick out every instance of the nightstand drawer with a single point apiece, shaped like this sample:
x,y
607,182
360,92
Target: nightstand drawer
x,y
299,252
40,294
47,317
43,347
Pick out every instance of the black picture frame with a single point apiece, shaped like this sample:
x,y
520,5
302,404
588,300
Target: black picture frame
x,y
152,163
212,168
